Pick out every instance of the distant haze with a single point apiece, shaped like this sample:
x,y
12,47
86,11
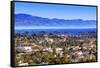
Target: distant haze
x,y
26,21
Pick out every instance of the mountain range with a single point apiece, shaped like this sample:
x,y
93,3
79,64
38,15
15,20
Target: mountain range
x,y
29,20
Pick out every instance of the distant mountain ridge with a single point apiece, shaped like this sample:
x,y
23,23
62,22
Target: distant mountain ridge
x,y
29,20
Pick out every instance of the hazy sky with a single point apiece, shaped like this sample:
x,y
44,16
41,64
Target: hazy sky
x,y
56,11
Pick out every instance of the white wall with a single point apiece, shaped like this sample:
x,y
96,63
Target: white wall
x,y
5,34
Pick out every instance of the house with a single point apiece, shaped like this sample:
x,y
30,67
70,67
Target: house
x,y
59,50
90,44
24,49
48,49
49,40
23,64
79,53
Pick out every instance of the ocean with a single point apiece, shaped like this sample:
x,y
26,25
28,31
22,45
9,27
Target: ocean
x,y
57,31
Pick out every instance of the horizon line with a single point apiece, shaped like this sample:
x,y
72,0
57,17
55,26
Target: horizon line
x,y
20,28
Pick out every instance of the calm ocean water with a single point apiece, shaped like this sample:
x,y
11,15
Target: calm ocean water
x,y
65,31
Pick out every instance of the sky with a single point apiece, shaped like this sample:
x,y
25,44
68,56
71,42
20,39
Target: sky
x,y
56,11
